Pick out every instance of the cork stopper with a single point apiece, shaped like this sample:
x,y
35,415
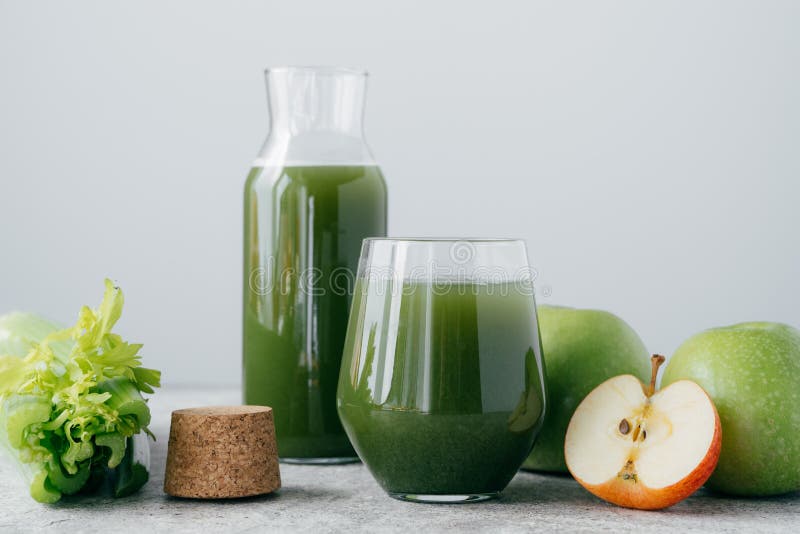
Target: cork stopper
x,y
222,452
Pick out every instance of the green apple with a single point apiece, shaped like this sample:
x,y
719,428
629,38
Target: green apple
x,y
582,349
752,373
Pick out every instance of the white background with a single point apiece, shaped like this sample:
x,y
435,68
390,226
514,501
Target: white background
x,y
647,151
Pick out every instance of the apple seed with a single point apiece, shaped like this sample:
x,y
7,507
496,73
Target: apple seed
x,y
624,427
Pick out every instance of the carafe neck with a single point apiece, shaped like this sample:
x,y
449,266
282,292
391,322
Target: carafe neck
x,y
316,99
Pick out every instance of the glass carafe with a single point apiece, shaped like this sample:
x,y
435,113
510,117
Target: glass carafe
x,y
313,194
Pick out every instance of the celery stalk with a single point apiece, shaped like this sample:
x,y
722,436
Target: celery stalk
x,y
71,406
21,412
126,399
76,453
40,488
20,332
65,483
115,443
134,470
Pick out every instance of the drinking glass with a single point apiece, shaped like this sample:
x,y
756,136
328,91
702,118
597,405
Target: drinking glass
x,y
441,389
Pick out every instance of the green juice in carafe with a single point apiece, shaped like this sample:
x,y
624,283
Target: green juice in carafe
x,y
303,230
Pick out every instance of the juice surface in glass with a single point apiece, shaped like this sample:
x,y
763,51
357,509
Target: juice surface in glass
x,y
303,231
441,389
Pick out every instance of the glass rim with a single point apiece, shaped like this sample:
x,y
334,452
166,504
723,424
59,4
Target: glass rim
x,y
317,69
499,240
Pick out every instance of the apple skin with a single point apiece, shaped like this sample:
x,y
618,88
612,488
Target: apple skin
x,y
582,349
752,373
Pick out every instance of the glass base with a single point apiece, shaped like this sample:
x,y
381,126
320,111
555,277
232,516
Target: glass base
x,y
321,461
445,499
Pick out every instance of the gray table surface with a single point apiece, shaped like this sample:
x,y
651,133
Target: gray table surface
x,y
346,498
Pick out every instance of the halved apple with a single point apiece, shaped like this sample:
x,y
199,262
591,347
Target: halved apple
x,y
639,448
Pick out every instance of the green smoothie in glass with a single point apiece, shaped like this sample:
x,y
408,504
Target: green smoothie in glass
x,y
441,389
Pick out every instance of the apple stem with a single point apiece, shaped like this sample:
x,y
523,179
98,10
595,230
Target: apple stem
x,y
656,360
